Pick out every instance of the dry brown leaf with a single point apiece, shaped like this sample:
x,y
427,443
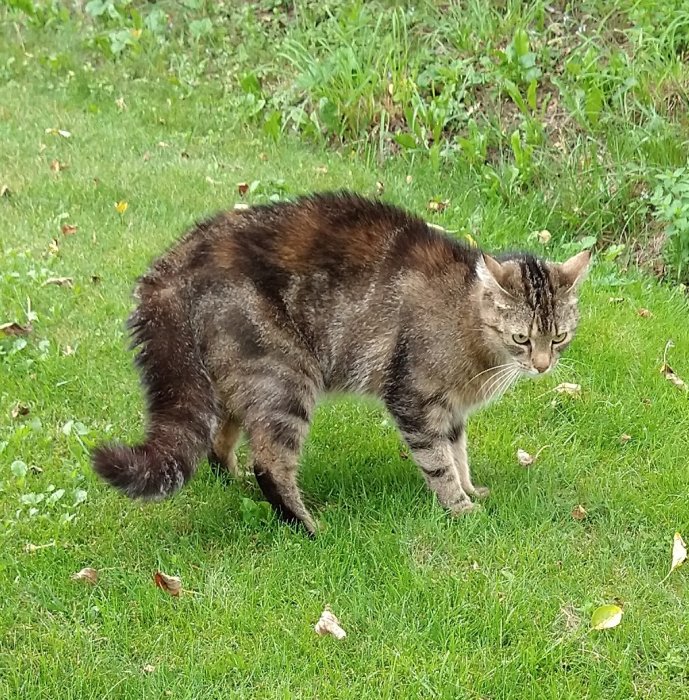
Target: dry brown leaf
x,y
148,668
69,229
544,236
147,156
263,156
329,624
579,513
438,205
615,300
321,169
56,166
644,313
68,350
20,410
624,438
525,459
242,188
162,144
14,328
59,281
171,584
87,574
669,373
53,247
120,104
568,388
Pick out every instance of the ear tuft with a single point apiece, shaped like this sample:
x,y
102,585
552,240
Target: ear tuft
x,y
573,271
489,270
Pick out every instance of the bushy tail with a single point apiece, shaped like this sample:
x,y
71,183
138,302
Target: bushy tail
x,y
181,407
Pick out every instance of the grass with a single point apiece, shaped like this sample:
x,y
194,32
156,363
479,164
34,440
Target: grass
x,y
495,605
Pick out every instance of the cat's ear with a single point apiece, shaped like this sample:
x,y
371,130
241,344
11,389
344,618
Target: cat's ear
x,y
490,271
573,271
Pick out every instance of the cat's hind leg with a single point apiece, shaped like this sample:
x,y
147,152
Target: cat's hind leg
x,y
222,458
277,425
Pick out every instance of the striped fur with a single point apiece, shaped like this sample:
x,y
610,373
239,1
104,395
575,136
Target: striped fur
x,y
254,314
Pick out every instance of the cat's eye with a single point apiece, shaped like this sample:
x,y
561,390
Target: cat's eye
x,y
560,338
520,339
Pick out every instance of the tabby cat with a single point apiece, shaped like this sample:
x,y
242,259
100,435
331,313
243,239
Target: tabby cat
x,y
254,314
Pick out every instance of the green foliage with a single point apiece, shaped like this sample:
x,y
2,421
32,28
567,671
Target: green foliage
x,y
671,202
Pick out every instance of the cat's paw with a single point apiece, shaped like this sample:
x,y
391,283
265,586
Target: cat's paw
x,y
463,507
481,492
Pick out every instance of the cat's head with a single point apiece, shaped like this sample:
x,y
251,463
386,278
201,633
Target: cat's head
x,y
528,307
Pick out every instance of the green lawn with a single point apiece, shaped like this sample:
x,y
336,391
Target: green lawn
x,y
494,605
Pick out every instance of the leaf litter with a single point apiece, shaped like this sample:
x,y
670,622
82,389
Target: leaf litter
x,y
87,574
669,373
606,617
329,624
170,584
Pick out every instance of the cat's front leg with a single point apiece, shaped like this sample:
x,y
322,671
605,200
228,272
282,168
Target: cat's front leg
x,y
435,460
458,440
425,428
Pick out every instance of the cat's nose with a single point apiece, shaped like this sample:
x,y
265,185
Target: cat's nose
x,y
541,363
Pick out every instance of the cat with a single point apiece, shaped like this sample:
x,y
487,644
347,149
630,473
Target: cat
x,y
255,313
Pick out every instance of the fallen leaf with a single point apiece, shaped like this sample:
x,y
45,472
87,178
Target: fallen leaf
x,y
59,281
14,328
120,104
31,548
56,166
409,179
321,169
329,624
624,438
263,156
544,236
121,206
68,350
171,584
53,247
568,388
20,410
438,205
525,459
380,187
148,668
606,617
5,191
162,144
670,375
615,300
87,574
69,229
668,372
242,188
644,313
147,156
58,132
579,513
679,552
